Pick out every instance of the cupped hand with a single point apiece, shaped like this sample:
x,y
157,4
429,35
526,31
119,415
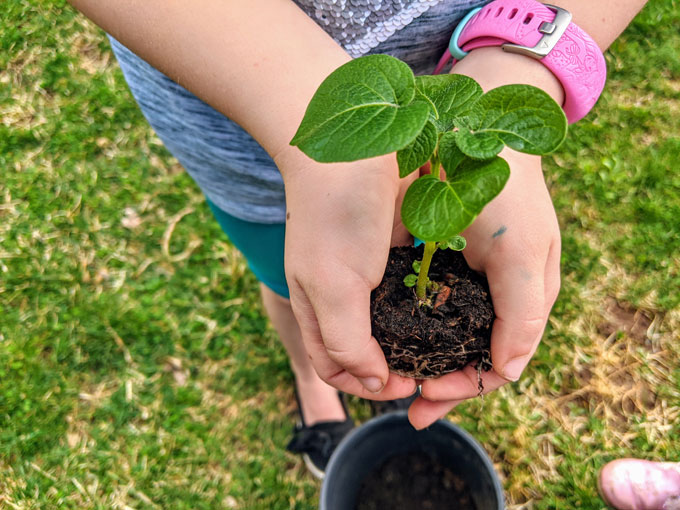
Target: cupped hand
x,y
338,233
515,242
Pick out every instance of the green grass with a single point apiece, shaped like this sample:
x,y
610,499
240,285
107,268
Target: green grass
x,y
136,365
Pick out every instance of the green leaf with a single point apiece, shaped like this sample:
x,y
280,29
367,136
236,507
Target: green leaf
x,y
449,153
410,280
416,266
447,95
521,116
418,153
480,145
456,243
435,210
363,109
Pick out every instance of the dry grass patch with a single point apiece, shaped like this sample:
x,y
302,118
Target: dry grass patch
x,y
601,382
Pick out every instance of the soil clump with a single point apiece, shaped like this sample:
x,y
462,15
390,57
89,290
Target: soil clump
x,y
430,340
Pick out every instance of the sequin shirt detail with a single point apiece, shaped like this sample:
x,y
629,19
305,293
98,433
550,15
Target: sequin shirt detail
x,y
360,25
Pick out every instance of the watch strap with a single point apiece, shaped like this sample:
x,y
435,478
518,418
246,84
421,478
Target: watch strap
x,y
546,33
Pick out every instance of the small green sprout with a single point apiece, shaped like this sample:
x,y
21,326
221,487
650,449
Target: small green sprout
x,y
456,243
410,279
374,105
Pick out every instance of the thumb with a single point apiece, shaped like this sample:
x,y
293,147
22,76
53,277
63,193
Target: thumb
x,y
519,303
517,294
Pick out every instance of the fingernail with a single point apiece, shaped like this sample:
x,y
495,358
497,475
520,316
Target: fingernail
x,y
372,384
513,369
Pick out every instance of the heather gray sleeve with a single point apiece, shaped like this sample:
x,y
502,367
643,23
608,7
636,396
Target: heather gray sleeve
x,y
229,166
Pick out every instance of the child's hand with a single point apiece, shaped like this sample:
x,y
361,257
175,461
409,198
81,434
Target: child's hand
x,y
340,219
515,241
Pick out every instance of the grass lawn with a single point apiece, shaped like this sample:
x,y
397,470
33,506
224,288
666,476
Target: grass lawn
x,y
137,370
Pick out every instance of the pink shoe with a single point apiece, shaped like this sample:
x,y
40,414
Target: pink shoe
x,y
634,484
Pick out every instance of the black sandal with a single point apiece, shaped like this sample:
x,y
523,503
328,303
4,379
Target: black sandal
x,y
379,408
316,443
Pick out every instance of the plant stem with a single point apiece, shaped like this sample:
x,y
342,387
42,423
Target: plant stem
x,y
430,246
436,166
421,285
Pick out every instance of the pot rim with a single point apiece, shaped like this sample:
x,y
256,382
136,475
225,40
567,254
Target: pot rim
x,y
367,428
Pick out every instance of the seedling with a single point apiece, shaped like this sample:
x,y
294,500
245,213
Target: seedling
x,y
374,105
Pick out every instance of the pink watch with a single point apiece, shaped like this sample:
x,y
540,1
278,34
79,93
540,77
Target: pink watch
x,y
544,32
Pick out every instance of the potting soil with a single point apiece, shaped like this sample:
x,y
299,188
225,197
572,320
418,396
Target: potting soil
x,y
414,481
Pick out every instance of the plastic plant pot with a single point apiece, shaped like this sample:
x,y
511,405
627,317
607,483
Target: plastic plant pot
x,y
367,447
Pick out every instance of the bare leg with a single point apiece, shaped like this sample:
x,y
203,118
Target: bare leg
x,y
319,400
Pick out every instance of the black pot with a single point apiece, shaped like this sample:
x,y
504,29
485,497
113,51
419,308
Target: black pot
x,y
369,445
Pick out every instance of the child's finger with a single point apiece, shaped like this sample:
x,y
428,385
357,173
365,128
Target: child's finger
x,y
342,312
338,340
423,413
333,374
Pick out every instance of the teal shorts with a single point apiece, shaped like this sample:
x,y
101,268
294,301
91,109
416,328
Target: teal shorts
x,y
262,245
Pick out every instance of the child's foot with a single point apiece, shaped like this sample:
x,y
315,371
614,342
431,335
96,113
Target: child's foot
x,y
318,401
634,484
324,422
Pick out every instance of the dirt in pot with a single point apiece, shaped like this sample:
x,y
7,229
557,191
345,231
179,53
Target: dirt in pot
x,y
429,340
414,481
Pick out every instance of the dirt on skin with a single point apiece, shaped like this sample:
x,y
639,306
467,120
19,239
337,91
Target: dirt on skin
x,y
452,331
414,481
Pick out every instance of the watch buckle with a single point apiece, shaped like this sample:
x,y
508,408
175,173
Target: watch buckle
x,y
552,32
